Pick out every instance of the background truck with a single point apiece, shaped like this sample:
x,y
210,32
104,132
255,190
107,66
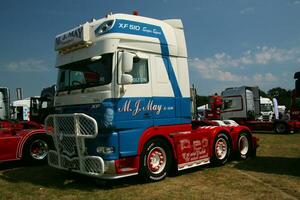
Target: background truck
x,y
4,103
266,109
243,105
42,106
23,139
295,106
21,109
123,103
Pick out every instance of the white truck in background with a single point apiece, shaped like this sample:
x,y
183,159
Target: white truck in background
x,y
4,103
266,109
21,109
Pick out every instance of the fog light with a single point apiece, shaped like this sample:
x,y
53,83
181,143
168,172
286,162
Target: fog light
x,y
105,150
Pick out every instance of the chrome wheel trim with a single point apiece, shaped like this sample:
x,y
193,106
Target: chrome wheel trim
x,y
38,149
221,148
156,160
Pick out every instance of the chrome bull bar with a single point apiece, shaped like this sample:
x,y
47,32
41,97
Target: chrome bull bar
x,y
69,132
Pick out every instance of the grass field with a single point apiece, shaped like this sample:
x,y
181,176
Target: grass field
x,y
273,174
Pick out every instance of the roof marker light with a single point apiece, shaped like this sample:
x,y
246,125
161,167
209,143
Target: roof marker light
x,y
135,12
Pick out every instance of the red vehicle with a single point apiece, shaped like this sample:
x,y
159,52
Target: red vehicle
x,y
215,106
295,107
243,144
25,140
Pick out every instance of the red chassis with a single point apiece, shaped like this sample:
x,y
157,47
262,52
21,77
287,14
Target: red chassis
x,y
23,140
189,146
236,133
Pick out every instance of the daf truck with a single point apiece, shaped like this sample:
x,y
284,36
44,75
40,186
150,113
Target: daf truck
x,y
123,103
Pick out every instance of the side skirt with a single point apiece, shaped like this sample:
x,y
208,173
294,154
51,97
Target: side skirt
x,y
196,163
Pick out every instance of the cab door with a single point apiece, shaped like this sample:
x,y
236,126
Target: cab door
x,y
134,104
134,98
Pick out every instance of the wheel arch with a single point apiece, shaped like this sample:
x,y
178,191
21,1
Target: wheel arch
x,y
30,136
152,134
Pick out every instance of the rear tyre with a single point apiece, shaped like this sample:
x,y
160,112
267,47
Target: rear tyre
x,y
244,146
36,149
221,150
280,127
155,160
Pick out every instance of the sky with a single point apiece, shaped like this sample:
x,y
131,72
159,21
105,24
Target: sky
x,y
230,42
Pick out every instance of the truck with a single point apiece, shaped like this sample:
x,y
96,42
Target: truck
x,y
21,140
4,103
21,109
243,104
123,103
42,106
266,109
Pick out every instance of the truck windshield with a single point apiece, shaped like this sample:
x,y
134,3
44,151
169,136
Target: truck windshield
x,y
85,73
266,107
232,103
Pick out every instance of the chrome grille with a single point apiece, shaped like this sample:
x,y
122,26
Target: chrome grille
x,y
266,118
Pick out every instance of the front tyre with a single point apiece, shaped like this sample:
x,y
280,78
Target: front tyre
x,y
155,160
221,149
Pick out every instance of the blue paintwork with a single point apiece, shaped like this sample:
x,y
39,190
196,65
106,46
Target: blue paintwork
x,y
132,116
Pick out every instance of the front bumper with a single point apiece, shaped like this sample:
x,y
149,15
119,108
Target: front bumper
x,y
93,166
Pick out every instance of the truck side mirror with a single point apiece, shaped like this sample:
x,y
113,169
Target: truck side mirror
x,y
127,62
127,65
126,79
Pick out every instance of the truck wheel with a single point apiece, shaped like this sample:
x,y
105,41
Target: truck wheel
x,y
280,128
221,150
36,149
155,160
244,146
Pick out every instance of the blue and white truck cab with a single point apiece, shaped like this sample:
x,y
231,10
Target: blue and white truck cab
x,y
123,103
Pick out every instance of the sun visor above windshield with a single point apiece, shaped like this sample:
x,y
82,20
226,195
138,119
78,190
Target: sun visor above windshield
x,y
78,37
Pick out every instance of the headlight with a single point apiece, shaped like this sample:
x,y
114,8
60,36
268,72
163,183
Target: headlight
x,y
105,150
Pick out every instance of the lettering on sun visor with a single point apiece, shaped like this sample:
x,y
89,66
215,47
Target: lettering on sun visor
x,y
145,29
70,36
